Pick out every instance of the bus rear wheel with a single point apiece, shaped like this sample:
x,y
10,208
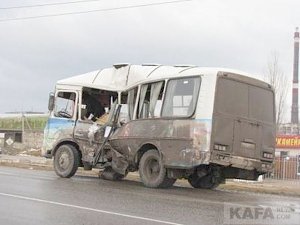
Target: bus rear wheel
x,y
152,171
66,161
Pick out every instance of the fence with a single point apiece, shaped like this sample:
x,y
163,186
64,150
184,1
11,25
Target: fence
x,y
285,168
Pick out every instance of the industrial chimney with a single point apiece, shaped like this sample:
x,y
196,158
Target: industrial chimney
x,y
295,115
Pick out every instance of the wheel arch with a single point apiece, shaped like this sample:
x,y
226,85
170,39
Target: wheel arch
x,y
68,142
142,149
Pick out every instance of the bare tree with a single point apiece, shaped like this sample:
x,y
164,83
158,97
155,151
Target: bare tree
x,y
275,76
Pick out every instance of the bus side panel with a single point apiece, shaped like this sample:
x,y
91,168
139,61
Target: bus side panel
x,y
183,143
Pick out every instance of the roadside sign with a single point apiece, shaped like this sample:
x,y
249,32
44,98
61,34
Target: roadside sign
x,y
9,141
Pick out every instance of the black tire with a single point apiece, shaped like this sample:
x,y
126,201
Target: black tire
x,y
66,161
152,171
206,182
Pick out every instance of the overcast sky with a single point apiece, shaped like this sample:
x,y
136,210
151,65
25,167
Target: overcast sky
x,y
238,34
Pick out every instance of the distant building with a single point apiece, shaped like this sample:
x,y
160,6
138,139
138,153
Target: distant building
x,y
19,131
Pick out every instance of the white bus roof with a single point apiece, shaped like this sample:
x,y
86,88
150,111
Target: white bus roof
x,y
123,76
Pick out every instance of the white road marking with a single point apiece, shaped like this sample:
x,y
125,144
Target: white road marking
x,y
87,208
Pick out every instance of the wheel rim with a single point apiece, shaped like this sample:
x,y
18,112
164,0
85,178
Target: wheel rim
x,y
152,169
64,161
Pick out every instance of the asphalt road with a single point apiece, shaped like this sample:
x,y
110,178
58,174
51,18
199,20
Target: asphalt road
x,y
40,197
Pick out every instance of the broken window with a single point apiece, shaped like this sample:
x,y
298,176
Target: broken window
x,y
128,100
181,97
96,104
65,104
150,100
131,102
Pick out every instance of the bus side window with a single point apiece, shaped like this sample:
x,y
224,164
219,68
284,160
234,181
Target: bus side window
x,y
181,97
150,100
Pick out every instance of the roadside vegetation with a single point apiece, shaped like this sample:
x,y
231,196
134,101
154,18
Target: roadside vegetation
x,y
26,123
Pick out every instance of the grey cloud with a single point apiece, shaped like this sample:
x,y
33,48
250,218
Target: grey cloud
x,y
237,34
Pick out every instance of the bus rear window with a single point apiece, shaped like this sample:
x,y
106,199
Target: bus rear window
x,y
240,99
261,104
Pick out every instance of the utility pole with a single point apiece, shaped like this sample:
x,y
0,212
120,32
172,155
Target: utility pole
x,y
23,123
295,109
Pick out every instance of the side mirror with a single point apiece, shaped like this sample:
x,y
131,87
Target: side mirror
x,y
51,101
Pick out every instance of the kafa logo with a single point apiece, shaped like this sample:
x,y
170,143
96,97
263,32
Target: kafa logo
x,y
259,215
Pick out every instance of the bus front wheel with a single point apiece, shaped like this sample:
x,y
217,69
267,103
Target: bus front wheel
x,y
66,161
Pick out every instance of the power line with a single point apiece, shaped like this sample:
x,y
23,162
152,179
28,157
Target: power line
x,y
95,10
48,4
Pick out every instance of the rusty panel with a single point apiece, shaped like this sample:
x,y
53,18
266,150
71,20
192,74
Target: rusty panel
x,y
247,139
243,118
224,127
183,143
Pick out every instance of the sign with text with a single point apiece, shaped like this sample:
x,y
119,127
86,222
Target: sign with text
x,y
288,141
262,214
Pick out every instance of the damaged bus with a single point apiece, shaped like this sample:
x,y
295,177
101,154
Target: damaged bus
x,y
167,122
